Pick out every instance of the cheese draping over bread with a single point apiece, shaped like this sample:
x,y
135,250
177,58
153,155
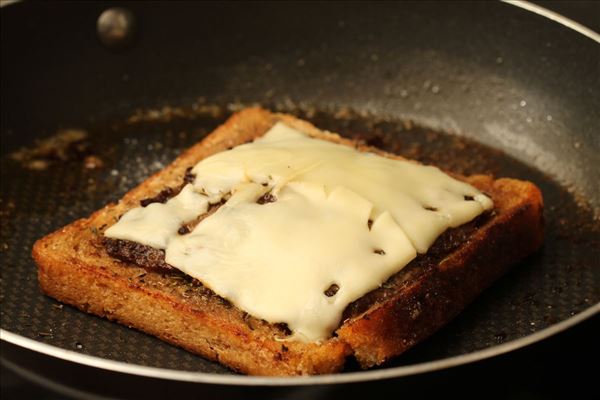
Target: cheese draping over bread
x,y
307,225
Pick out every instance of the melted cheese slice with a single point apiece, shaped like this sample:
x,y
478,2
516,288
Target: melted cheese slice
x,y
340,217
155,224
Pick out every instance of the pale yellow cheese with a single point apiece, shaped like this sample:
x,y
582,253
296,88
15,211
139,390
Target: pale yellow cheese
x,y
155,224
276,260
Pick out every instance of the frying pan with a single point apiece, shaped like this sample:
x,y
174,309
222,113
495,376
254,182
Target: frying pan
x,y
515,92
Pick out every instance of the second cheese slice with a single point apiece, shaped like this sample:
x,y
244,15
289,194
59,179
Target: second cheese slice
x,y
308,226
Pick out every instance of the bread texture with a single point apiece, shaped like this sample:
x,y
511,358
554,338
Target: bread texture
x,y
75,268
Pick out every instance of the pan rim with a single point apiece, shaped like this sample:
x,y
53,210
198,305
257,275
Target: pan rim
x,y
526,5
339,378
244,380
556,17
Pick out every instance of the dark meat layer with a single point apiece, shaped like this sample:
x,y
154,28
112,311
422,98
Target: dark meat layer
x,y
162,197
168,193
145,256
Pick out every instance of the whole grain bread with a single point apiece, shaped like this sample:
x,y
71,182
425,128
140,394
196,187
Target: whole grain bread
x,y
75,268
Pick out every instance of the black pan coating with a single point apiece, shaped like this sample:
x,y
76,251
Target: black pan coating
x,y
489,72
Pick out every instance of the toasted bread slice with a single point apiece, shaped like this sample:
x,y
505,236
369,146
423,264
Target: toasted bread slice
x,y
74,267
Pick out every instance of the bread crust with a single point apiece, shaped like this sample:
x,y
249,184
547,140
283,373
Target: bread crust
x,y
74,268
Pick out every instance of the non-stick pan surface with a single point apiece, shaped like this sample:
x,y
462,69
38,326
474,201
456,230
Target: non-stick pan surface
x,y
516,93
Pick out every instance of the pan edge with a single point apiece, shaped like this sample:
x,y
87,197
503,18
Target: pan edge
x,y
350,377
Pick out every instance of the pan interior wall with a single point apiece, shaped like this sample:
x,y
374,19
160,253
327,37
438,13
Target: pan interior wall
x,y
42,191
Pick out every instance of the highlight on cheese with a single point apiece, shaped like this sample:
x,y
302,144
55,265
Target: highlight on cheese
x,y
306,226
